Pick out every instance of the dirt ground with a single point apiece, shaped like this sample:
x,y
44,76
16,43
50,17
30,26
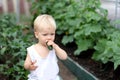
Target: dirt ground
x,y
65,73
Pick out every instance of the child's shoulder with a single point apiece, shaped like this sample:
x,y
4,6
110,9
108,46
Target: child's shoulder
x,y
30,47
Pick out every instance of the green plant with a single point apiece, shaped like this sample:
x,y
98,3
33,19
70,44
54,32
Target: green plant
x,y
84,23
109,49
14,40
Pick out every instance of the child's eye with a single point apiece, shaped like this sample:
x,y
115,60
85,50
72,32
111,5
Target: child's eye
x,y
53,34
44,34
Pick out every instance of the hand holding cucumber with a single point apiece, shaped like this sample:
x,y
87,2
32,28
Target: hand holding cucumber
x,y
49,46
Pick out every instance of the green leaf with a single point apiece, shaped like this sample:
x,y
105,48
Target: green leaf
x,y
3,49
83,45
100,46
96,56
116,64
67,39
91,29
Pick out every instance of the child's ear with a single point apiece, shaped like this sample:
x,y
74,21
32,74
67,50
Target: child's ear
x,y
36,34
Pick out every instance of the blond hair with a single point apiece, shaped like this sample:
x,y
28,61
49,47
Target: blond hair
x,y
44,20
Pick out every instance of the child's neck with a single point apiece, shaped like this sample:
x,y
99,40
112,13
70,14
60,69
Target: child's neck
x,y
42,50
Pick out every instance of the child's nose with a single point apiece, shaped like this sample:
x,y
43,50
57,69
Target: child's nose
x,y
49,37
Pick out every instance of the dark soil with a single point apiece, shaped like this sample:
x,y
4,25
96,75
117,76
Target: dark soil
x,y
101,71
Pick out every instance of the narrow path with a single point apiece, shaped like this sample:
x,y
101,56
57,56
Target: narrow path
x,y
65,73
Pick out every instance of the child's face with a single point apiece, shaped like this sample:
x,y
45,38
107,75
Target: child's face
x,y
46,34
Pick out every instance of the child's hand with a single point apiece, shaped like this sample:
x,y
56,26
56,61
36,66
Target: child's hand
x,y
32,66
49,43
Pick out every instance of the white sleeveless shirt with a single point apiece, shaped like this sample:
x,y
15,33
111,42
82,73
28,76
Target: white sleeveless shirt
x,y
47,67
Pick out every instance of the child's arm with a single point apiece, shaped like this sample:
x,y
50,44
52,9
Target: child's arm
x,y
59,51
28,64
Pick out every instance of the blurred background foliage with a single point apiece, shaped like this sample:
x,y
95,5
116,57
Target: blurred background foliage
x,y
14,39
86,24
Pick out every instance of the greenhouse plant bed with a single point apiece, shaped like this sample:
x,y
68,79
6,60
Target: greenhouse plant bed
x,y
96,69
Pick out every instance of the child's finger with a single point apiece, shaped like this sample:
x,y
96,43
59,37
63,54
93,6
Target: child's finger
x,y
33,67
34,62
49,42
